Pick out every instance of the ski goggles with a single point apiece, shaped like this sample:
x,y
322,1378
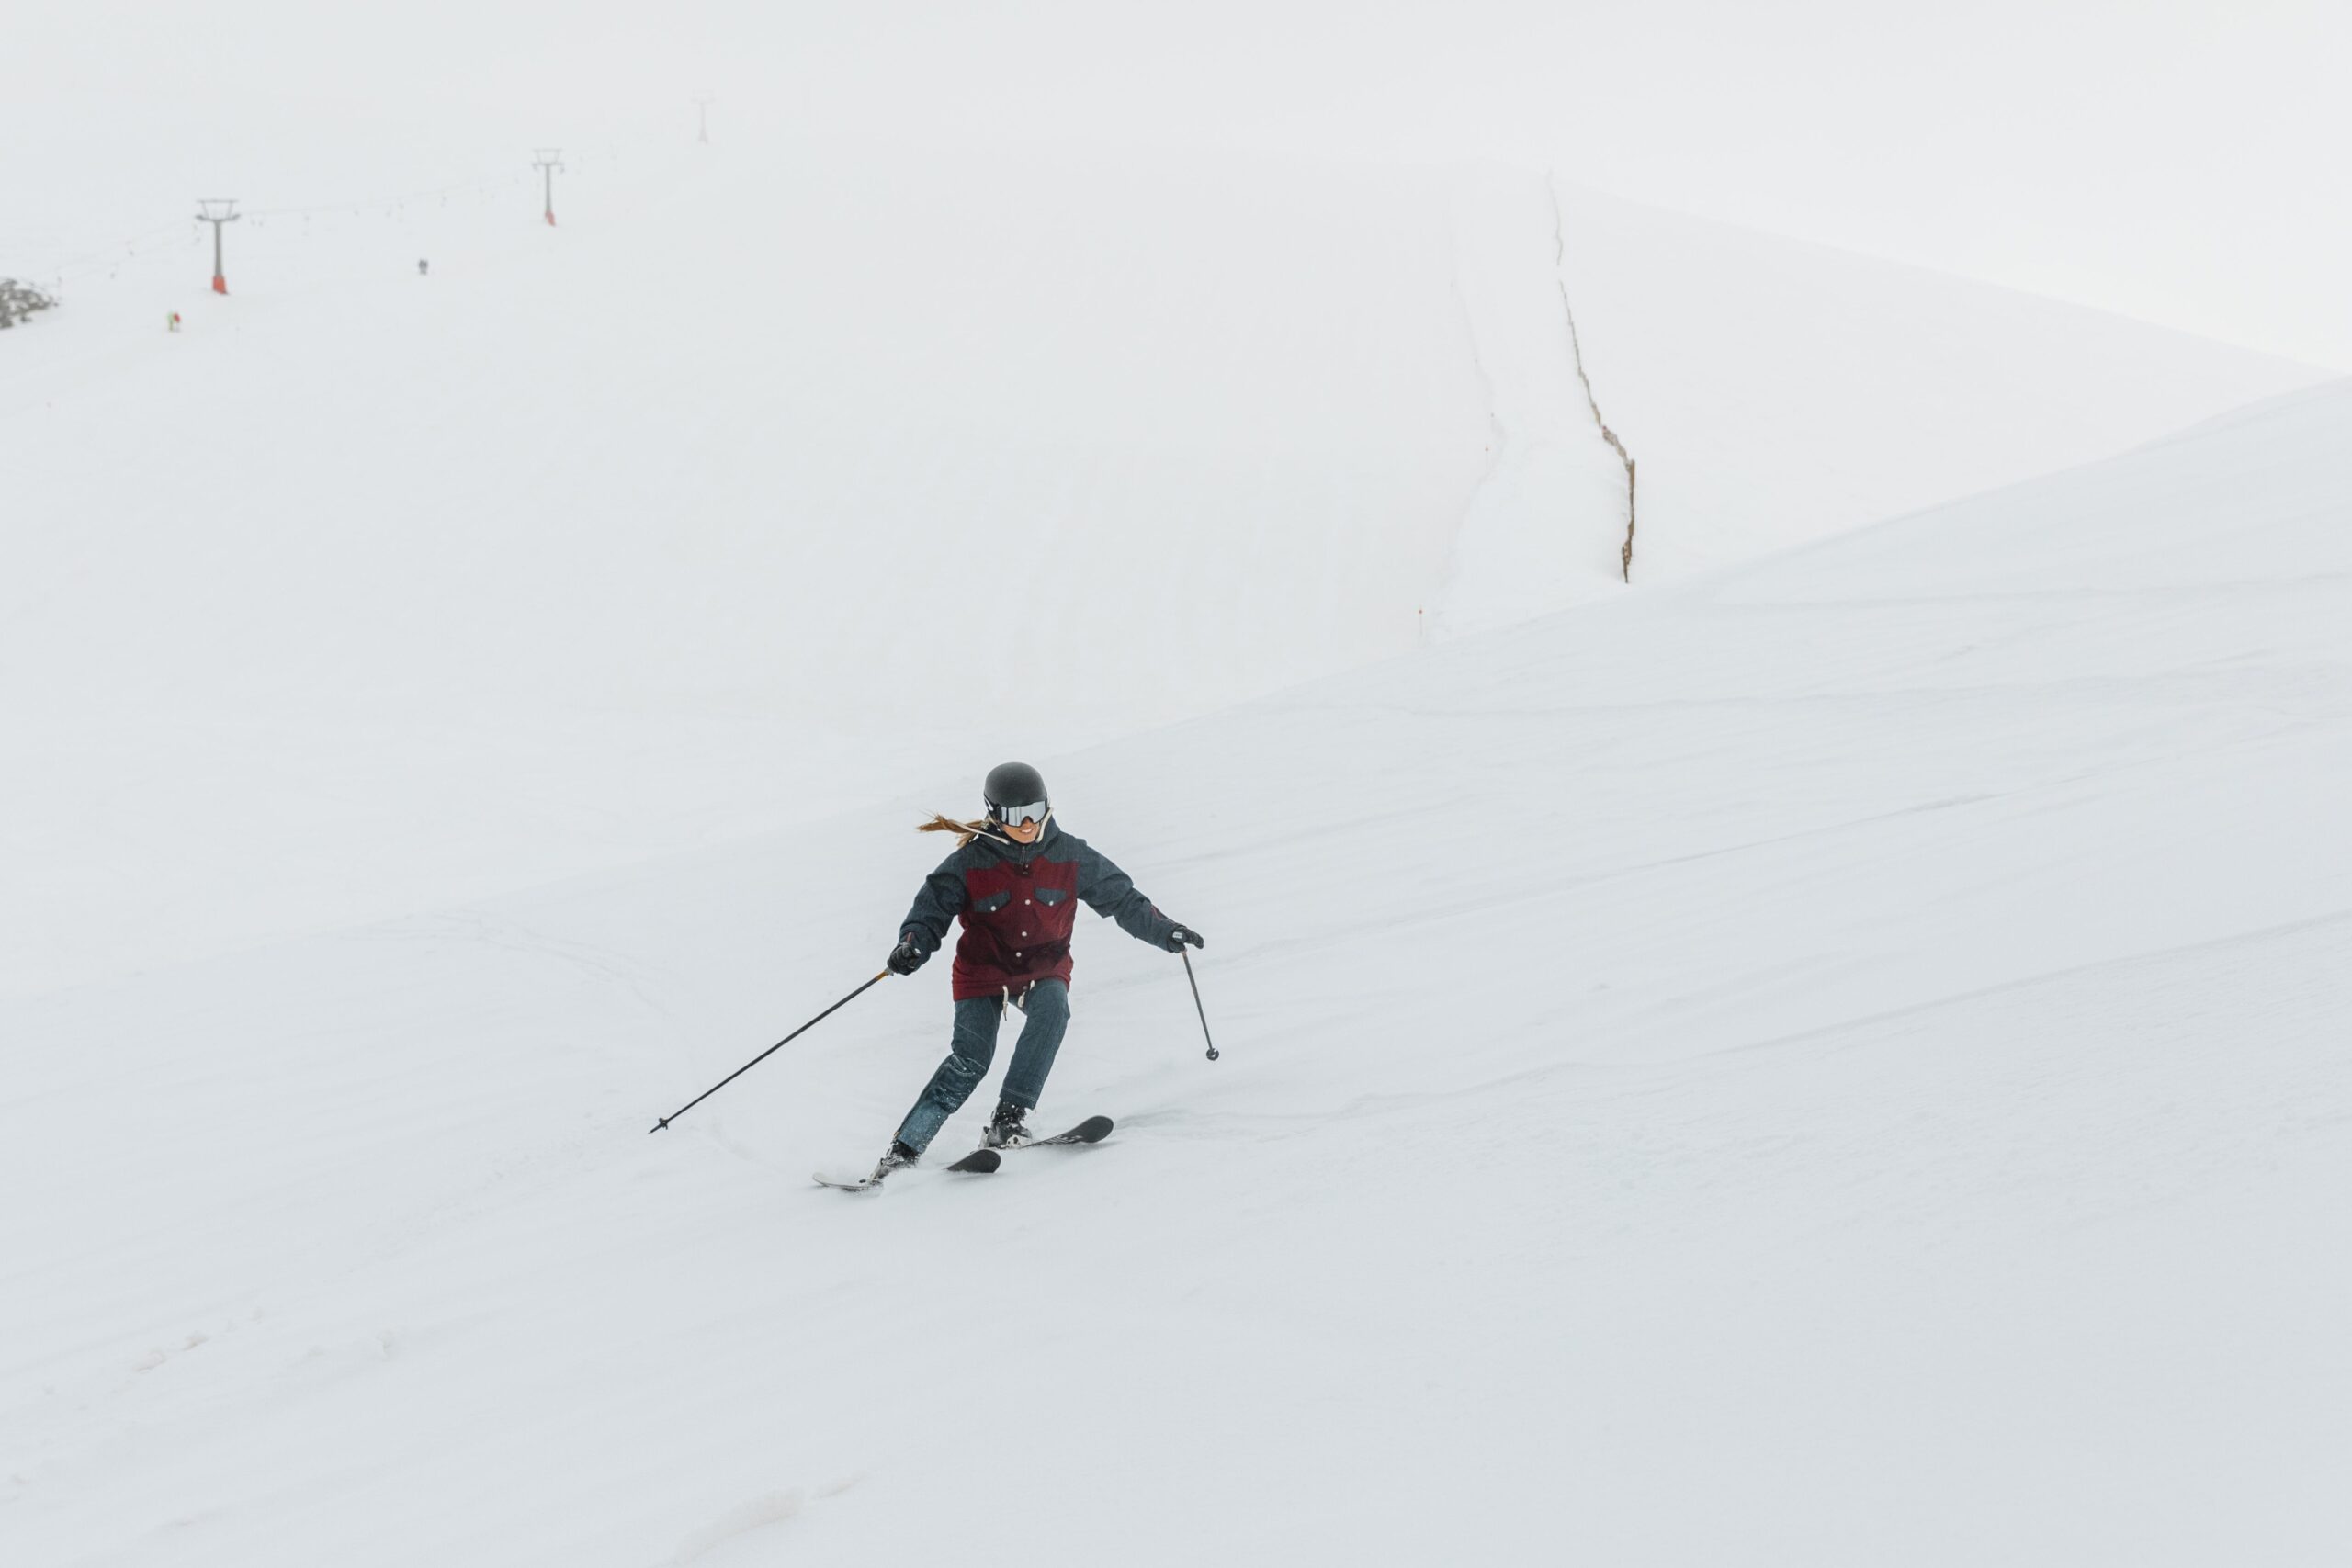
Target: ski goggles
x,y
1015,816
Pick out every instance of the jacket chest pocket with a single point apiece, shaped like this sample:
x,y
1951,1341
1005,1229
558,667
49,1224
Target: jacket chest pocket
x,y
989,903
1053,896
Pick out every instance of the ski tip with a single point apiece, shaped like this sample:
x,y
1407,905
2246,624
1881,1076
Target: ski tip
x,y
978,1161
1093,1130
865,1185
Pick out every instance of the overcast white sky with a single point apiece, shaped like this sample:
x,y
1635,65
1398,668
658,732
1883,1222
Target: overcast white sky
x,y
2180,161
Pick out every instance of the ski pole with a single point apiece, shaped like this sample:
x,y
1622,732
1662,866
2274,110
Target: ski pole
x,y
1196,1000
771,1051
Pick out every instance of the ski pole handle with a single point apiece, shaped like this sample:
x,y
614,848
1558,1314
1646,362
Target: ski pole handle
x,y
1197,1001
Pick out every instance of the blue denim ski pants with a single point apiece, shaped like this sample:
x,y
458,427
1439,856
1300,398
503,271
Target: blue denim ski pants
x,y
974,1048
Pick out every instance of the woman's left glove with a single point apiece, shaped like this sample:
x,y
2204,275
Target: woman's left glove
x,y
1181,937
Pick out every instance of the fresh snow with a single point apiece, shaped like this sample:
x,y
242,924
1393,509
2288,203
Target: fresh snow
x,y
1835,1056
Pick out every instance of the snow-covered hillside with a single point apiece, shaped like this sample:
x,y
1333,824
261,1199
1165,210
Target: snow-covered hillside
x,y
1839,1061
768,480
1770,392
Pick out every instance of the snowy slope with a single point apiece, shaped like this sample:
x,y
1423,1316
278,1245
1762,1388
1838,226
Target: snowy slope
x,y
703,512
771,477
1772,392
1836,1062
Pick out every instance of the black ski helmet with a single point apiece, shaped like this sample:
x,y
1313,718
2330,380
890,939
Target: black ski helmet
x,y
1012,783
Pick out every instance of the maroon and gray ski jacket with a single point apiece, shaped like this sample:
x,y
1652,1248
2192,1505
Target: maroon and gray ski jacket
x,y
1019,904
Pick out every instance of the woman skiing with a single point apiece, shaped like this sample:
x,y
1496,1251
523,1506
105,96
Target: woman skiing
x,y
1015,881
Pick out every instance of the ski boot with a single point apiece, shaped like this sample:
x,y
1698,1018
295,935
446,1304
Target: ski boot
x,y
898,1157
1009,1128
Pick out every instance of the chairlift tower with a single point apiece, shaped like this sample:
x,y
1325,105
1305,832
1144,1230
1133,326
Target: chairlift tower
x,y
217,211
548,160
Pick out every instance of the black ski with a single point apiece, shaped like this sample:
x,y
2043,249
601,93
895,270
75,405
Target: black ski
x,y
978,1163
1093,1130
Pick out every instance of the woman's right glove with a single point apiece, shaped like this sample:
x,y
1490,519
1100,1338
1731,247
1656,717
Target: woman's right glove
x,y
905,958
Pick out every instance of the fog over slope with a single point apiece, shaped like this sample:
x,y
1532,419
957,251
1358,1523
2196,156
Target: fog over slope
x,y
776,475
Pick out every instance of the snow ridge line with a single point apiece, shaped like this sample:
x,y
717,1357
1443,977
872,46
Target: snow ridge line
x,y
1576,346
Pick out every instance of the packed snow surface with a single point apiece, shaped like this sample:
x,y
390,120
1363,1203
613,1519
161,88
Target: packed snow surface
x,y
1841,1060
1834,1054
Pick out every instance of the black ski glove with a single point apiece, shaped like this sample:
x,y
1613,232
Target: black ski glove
x,y
905,958
1181,937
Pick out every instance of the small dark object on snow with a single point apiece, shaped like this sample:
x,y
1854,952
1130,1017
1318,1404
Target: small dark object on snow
x,y
21,301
